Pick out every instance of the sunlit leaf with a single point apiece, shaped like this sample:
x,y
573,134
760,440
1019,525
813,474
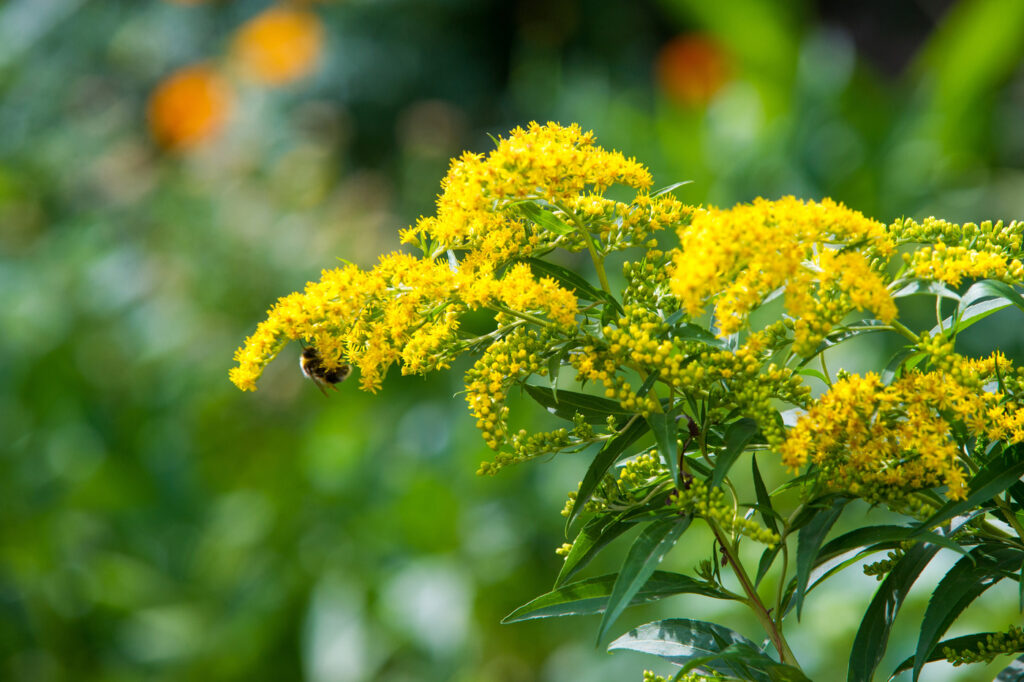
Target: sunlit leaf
x,y
809,542
649,548
566,404
873,634
590,596
737,436
604,459
664,428
992,479
961,585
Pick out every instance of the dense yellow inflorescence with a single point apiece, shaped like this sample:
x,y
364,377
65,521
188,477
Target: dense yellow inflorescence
x,y
874,440
829,259
543,187
953,253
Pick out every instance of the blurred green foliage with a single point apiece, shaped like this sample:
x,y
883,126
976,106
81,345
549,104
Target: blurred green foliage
x,y
157,524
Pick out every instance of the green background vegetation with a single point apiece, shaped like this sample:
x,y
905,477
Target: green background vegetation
x,y
157,524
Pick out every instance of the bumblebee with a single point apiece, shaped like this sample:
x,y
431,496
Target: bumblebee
x,y
313,368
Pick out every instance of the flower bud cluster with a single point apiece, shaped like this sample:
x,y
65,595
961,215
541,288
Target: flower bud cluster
x,y
709,503
647,282
959,252
881,568
649,676
505,362
996,644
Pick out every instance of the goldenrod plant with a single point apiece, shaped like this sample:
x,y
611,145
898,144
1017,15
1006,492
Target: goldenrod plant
x,y
703,366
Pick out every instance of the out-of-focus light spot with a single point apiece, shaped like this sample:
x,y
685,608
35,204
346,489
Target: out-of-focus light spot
x,y
189,108
826,61
279,45
692,68
735,120
430,601
336,646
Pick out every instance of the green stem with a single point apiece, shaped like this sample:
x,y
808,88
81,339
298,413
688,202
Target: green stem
x,y
596,257
905,331
539,321
1009,516
753,599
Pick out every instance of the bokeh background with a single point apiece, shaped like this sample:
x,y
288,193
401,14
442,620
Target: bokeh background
x,y
168,169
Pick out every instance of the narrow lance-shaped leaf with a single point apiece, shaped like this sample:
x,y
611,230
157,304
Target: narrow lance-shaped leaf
x,y
590,596
545,219
764,500
595,535
572,281
604,459
737,436
693,643
647,551
992,479
873,634
964,642
566,404
664,428
968,578
809,542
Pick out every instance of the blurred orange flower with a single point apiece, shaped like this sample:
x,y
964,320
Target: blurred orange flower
x,y
692,68
189,107
279,45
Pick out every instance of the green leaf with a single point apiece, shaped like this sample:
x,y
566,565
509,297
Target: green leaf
x,y
590,596
754,663
649,548
905,358
554,369
873,634
764,500
844,334
992,479
737,436
675,185
970,310
958,643
693,332
604,459
1013,672
968,579
664,428
682,641
765,563
809,542
546,219
570,280
592,538
926,286
566,404
679,639
880,535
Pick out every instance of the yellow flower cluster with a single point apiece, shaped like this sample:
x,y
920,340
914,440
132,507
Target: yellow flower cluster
x,y
880,441
558,166
406,309
958,252
738,378
828,258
